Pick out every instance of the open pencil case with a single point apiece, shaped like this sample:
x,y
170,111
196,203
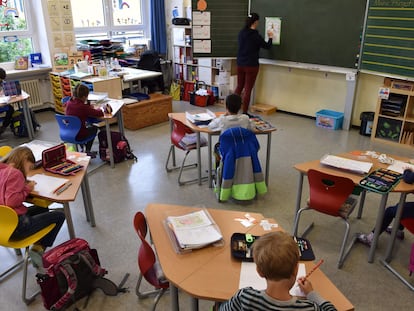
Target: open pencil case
x,y
54,161
241,246
381,180
305,249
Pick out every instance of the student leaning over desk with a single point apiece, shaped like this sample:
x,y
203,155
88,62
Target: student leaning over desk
x,y
14,189
279,268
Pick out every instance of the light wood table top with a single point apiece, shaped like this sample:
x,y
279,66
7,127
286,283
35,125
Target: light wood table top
x,y
211,273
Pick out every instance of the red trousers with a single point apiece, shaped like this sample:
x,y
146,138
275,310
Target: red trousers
x,y
246,77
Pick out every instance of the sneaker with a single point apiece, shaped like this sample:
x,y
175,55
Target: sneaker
x,y
365,239
400,233
35,254
92,154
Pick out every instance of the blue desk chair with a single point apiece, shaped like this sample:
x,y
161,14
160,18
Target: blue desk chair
x,y
69,127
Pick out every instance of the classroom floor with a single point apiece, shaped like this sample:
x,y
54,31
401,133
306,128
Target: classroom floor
x,y
119,193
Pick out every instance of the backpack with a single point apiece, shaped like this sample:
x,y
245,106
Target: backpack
x,y
120,145
18,123
72,271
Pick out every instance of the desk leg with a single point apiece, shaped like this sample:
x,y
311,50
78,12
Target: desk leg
x,y
299,195
120,122
397,219
109,140
69,221
87,201
174,298
199,157
380,217
361,203
194,304
28,119
210,160
269,145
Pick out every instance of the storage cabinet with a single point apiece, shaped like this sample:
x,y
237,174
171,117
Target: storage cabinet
x,y
63,86
394,118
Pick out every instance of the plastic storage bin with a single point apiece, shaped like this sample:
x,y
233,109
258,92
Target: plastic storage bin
x,y
329,119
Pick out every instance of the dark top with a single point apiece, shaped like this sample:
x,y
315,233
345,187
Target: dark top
x,y
76,107
250,42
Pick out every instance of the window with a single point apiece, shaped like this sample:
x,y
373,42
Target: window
x,y
15,30
115,19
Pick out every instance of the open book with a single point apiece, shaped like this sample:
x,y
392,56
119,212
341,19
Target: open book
x,y
193,230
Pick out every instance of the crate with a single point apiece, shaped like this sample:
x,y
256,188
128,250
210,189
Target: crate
x,y
329,119
147,112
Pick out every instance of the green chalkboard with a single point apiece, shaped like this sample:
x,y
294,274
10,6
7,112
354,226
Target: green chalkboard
x,y
227,19
324,32
389,38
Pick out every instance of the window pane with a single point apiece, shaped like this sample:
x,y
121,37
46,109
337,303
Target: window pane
x,y
12,17
10,50
126,13
87,13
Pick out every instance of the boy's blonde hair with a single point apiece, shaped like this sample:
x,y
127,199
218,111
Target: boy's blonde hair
x,y
276,255
18,156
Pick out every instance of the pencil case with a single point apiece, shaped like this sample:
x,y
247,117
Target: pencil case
x,y
305,249
241,246
54,161
381,180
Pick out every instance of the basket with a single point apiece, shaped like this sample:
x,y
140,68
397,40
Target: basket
x,y
329,119
199,100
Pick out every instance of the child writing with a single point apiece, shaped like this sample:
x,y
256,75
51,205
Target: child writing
x,y
231,118
276,256
77,106
14,188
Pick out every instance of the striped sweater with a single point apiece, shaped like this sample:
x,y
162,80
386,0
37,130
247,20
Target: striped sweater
x,y
250,299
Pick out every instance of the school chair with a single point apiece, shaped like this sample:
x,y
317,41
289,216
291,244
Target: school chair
x,y
8,223
4,150
239,174
408,224
69,127
148,264
179,132
330,195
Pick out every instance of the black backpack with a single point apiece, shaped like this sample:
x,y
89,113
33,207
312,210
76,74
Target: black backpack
x,y
18,123
120,146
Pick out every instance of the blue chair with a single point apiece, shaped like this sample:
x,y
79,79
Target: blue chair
x,y
69,127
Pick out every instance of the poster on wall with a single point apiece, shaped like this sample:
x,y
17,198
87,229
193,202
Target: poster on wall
x,y
273,24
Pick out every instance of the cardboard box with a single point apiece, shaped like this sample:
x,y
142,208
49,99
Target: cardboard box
x,y
147,112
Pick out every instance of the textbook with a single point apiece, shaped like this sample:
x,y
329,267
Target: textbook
x,y
192,231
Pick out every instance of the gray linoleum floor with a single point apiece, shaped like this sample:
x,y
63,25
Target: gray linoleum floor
x,y
119,193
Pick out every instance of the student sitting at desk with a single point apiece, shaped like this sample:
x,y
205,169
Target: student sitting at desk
x,y
8,109
277,260
230,119
14,188
389,215
78,106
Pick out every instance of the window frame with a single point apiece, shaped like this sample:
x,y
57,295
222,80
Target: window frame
x,y
109,30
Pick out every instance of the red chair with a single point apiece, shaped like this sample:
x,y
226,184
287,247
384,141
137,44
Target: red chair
x,y
408,224
331,195
148,264
178,132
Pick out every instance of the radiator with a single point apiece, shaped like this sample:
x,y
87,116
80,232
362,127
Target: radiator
x,y
31,87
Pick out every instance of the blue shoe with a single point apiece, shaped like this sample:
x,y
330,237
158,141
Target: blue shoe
x,y
400,233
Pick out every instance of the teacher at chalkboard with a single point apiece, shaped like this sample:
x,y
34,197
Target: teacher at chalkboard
x,y
250,42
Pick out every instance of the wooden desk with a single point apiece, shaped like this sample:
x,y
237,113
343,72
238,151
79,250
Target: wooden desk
x,y
180,116
402,188
79,180
211,273
116,105
22,99
136,75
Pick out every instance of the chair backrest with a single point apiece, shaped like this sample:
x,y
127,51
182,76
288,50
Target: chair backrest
x,y
328,192
8,223
408,223
146,255
178,132
5,150
69,127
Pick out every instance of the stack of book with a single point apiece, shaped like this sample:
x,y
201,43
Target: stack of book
x,y
189,141
192,231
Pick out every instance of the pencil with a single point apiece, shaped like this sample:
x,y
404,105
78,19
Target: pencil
x,y
314,268
58,188
65,186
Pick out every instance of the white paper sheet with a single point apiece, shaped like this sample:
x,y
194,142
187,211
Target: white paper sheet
x,y
47,184
400,166
250,277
